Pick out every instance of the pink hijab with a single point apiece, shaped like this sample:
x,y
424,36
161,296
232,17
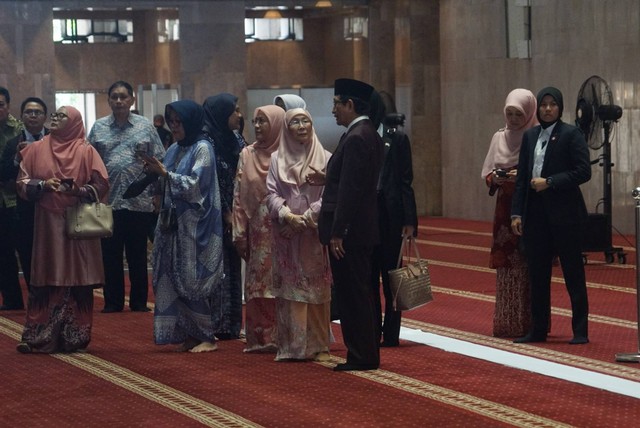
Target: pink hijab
x,y
256,161
505,144
294,158
63,153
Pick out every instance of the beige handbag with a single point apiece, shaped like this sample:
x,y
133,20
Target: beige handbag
x,y
89,220
410,285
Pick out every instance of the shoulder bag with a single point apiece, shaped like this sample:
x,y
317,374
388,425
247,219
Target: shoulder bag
x,y
167,219
89,220
410,285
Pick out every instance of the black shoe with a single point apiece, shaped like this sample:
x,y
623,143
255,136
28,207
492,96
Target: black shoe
x,y
11,307
531,338
142,309
138,186
110,310
345,367
579,340
385,344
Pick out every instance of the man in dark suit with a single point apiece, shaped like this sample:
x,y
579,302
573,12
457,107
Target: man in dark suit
x,y
397,217
348,221
548,210
33,112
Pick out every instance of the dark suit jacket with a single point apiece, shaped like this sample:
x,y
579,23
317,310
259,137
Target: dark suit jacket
x,y
349,206
8,169
395,181
567,162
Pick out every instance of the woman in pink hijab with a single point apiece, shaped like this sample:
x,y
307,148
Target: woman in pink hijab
x,y
252,228
55,172
512,315
301,272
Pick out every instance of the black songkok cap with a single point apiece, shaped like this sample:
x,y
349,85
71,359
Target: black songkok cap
x,y
353,88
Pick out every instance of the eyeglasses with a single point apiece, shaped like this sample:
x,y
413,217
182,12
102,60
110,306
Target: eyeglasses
x,y
259,121
300,122
36,113
58,116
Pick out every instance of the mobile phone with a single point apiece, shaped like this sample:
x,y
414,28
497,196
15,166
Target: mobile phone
x,y
502,173
141,148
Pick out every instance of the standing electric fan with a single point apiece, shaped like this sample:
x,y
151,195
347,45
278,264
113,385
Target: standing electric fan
x,y
595,116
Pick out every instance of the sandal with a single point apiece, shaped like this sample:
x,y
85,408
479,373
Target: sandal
x,y
24,348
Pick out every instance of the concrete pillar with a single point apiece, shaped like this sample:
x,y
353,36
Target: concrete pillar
x,y
212,49
26,51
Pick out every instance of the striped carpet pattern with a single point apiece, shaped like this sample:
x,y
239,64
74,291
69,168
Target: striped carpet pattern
x,y
449,371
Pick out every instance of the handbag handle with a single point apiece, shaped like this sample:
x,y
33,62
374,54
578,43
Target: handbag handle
x,y
93,191
412,242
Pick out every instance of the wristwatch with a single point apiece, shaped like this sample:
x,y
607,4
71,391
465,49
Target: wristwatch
x,y
550,181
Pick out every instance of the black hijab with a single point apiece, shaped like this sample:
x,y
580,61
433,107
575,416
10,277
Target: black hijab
x,y
557,96
217,110
192,115
377,110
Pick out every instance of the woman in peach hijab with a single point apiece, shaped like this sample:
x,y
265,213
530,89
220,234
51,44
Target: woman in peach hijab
x,y
252,228
512,315
56,172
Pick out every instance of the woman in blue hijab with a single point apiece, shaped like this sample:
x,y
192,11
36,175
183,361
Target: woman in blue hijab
x,y
187,254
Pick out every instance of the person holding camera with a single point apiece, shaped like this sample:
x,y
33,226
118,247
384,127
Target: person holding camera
x,y
397,217
55,173
512,316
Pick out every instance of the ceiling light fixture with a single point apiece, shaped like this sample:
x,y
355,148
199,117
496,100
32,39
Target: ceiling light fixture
x,y
273,14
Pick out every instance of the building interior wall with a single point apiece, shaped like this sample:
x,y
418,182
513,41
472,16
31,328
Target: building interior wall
x,y
445,60
571,40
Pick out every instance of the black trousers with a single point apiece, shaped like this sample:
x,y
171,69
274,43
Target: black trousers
x,y
351,277
542,241
130,233
9,282
385,258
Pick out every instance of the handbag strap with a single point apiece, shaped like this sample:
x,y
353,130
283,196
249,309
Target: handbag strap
x,y
412,243
164,191
94,192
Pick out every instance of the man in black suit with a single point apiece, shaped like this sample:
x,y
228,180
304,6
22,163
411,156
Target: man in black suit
x,y
348,221
548,210
397,217
33,112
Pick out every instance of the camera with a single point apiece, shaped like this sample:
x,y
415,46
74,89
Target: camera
x,y
502,172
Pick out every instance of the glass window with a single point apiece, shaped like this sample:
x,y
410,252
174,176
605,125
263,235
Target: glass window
x,y
518,28
168,30
71,30
258,29
356,28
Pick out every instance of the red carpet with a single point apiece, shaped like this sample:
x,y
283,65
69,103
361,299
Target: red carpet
x,y
125,380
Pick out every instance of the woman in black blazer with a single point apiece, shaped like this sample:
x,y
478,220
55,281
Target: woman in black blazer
x,y
548,210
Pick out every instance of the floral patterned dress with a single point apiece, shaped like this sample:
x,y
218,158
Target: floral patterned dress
x,y
260,322
512,316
